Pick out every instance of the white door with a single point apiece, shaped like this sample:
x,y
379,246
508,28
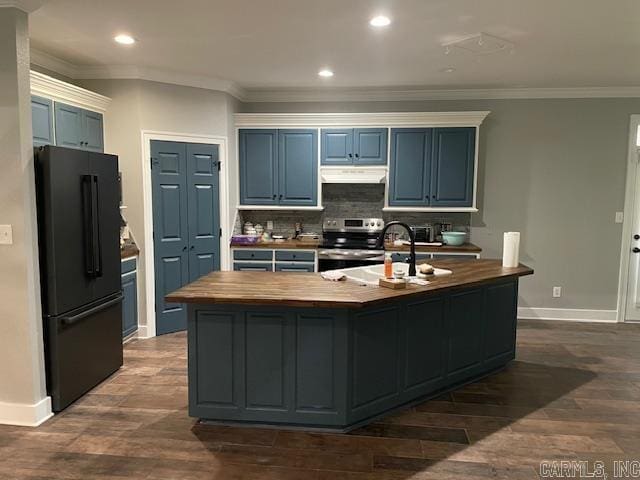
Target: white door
x,y
632,311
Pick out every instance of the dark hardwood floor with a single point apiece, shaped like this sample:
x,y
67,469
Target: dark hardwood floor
x,y
572,394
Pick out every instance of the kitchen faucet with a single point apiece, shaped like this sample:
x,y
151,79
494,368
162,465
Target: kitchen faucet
x,y
412,237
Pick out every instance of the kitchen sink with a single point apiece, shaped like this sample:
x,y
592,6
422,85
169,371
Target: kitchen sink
x,y
369,275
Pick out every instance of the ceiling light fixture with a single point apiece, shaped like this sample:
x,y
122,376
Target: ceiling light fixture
x,y
326,73
124,39
448,70
380,21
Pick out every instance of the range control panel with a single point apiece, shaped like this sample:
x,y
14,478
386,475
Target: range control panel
x,y
353,225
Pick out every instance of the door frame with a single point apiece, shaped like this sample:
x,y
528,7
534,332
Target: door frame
x,y
147,136
631,191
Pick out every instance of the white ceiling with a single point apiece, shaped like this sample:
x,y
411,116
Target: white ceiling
x,y
281,44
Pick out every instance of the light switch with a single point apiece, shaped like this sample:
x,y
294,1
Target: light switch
x,y
6,235
619,217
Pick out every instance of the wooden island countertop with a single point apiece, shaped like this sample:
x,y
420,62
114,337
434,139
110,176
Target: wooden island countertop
x,y
311,290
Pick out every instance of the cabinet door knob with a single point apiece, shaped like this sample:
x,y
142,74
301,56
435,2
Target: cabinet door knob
x,y
636,237
357,155
350,155
184,249
274,196
636,250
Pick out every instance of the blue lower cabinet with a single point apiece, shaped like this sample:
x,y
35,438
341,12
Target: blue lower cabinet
x,y
246,254
295,256
294,267
42,121
130,297
336,368
252,267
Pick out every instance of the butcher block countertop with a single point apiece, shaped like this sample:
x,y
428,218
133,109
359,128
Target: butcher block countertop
x,y
310,290
312,245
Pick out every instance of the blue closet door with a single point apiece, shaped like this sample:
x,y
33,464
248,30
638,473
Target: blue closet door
x,y
453,167
410,167
42,121
204,214
258,167
370,145
298,167
170,231
92,131
68,126
337,146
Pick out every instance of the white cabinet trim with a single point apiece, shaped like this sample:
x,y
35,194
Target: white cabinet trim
x,y
381,119
59,91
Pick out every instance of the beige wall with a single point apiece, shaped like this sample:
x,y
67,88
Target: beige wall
x,y
551,169
139,105
22,381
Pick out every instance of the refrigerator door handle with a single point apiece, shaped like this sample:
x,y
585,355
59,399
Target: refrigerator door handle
x,y
87,214
97,251
103,306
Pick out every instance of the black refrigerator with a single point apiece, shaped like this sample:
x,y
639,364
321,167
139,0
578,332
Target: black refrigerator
x,y
79,241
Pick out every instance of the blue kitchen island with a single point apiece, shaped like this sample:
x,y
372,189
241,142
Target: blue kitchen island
x,y
291,349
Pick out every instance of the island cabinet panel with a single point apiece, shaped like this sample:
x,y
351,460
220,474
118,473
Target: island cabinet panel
x,y
423,346
374,360
319,347
501,307
466,325
266,369
216,378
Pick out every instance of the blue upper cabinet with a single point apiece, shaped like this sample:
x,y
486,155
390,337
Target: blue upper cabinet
x,y
298,167
337,146
92,131
349,146
78,128
410,167
432,167
453,167
258,167
42,120
370,145
279,167
68,126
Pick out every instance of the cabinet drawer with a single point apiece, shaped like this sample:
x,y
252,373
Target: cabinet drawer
x,y
253,255
252,267
128,265
295,256
295,267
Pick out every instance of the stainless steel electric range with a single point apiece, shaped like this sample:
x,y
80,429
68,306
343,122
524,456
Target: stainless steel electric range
x,y
350,242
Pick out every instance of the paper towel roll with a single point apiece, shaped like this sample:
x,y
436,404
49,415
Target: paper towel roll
x,y
511,249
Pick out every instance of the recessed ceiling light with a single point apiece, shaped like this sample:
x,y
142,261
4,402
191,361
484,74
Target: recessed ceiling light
x,y
326,73
125,39
448,70
380,21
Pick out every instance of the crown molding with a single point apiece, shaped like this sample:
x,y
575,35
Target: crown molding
x,y
46,86
28,6
413,94
385,119
55,64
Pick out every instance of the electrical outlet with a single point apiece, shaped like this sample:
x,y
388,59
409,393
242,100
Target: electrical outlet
x,y
6,235
270,225
619,217
557,292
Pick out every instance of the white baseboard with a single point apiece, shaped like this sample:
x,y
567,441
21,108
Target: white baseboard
x,y
567,314
25,415
143,332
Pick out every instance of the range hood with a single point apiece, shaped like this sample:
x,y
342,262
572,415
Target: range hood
x,y
353,174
